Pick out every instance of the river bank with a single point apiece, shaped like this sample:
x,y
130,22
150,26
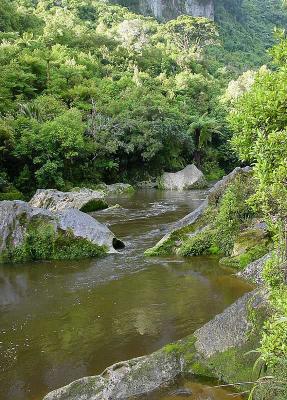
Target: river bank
x,y
77,318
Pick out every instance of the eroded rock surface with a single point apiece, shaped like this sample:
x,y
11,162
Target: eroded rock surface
x,y
167,9
188,178
254,271
29,233
123,380
228,329
83,199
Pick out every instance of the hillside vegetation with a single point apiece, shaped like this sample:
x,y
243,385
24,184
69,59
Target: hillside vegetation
x,y
92,92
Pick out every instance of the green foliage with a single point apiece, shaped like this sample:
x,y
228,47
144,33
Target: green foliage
x,y
199,244
252,254
15,195
233,212
93,92
259,122
246,30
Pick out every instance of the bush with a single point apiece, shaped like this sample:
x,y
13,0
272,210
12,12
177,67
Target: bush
x,y
198,244
11,196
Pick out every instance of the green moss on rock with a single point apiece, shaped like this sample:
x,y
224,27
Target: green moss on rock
x,y
94,205
198,244
44,242
241,261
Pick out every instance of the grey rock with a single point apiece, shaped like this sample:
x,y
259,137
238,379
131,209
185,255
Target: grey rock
x,y
123,380
253,272
84,226
228,329
17,216
199,8
166,9
219,188
54,200
186,179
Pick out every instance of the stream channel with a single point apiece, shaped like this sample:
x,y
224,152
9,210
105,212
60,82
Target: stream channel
x,y
60,321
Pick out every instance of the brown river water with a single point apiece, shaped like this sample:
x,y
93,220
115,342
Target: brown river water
x,y
60,321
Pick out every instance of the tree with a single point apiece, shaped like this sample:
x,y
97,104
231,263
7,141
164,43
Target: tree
x,y
190,33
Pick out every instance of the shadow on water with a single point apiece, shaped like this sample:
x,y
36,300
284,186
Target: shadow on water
x,y
193,389
60,321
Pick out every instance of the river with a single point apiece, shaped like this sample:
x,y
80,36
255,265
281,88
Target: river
x,y
60,321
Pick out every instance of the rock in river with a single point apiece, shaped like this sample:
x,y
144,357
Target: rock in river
x,y
85,200
28,233
188,178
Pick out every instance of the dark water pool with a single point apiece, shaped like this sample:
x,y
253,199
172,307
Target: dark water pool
x,y
60,321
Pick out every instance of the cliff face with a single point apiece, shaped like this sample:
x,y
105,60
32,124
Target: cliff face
x,y
169,9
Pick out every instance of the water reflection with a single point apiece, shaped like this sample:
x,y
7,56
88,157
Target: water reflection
x,y
193,389
60,321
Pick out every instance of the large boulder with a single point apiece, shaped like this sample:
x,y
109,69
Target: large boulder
x,y
221,349
123,380
86,200
28,233
188,178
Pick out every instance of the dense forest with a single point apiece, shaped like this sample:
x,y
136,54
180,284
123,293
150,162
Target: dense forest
x,y
92,92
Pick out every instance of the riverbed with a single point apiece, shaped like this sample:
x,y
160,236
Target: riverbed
x,y
60,321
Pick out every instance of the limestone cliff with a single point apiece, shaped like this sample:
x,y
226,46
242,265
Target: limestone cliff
x,y
168,9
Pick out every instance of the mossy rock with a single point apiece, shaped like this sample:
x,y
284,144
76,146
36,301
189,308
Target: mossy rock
x,y
29,234
200,243
44,242
249,239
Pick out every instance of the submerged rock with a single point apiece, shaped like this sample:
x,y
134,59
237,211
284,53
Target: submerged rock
x,y
188,178
85,200
206,353
28,233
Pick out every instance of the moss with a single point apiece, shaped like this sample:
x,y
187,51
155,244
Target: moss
x,y
198,244
44,242
178,237
184,348
163,248
233,365
94,205
241,261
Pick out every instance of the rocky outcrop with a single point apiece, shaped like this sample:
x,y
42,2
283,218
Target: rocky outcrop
x,y
200,8
83,199
228,329
28,233
231,330
123,380
196,220
167,9
188,178
254,271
